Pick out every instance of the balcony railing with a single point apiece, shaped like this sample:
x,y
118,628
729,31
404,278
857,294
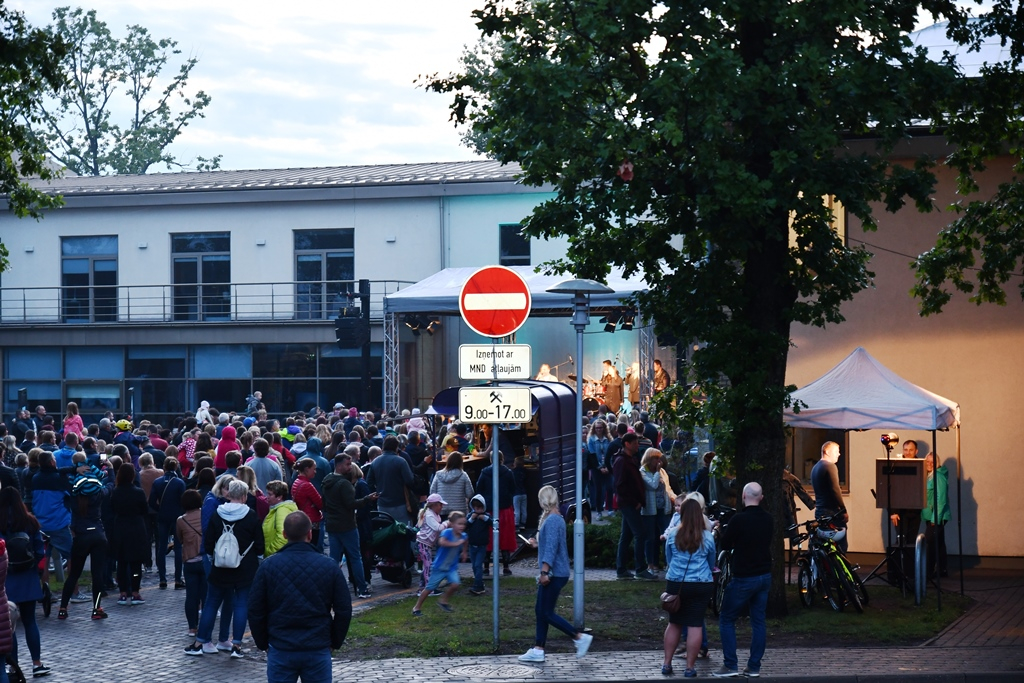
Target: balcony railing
x,y
190,303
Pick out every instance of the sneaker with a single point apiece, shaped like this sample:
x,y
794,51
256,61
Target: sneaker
x,y
236,652
583,644
98,614
532,655
476,591
179,585
445,606
507,571
123,600
80,597
625,576
417,613
224,646
435,593
690,673
725,672
750,673
62,614
209,648
666,669
40,671
647,575
196,649
364,595
137,600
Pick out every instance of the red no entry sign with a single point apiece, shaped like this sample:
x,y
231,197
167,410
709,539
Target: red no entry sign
x,y
495,301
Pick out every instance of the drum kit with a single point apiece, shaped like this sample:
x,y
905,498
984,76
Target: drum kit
x,y
593,392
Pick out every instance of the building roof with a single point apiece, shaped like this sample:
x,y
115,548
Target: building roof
x,y
286,178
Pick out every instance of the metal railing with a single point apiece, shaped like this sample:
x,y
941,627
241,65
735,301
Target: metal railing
x,y
190,303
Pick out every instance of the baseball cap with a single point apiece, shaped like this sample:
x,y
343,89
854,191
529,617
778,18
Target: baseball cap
x,y
435,498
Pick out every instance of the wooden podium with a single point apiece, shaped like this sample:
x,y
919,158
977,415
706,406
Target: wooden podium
x,y
909,484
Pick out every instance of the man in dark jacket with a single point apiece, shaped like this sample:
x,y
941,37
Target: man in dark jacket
x,y
165,501
629,487
299,607
749,536
340,504
507,541
389,475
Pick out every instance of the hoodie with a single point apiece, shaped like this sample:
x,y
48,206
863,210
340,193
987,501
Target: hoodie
x,y
478,526
315,452
455,488
227,443
249,534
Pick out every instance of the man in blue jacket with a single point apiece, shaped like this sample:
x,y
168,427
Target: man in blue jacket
x,y
299,607
50,503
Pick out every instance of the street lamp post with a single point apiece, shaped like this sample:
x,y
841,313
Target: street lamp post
x,y
581,291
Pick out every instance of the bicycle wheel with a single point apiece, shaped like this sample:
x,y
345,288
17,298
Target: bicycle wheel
x,y
805,585
829,582
858,583
724,576
843,574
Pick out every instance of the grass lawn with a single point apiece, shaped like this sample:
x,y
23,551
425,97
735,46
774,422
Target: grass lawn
x,y
625,616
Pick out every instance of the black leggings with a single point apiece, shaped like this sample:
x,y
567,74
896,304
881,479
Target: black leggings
x,y
129,576
92,545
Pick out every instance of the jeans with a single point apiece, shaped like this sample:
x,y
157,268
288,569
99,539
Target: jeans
x,y
195,592
287,666
752,590
632,527
477,555
347,543
519,505
59,547
163,531
598,490
654,525
91,545
547,596
398,512
238,611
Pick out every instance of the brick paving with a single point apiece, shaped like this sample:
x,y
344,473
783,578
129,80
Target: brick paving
x,y
144,643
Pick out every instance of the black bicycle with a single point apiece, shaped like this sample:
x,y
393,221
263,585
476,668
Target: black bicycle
x,y
824,570
723,571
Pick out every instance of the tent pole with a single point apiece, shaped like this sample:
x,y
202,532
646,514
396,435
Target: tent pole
x,y
936,527
959,518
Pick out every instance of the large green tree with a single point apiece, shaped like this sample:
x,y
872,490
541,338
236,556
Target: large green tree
x,y
693,142
29,69
121,112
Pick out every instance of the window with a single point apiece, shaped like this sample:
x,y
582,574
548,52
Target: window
x,y
89,279
513,246
202,274
324,272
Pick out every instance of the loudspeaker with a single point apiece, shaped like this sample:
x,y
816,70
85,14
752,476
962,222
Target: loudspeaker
x,y
909,487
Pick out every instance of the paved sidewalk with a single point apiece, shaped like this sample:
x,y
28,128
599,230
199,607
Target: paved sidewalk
x,y
145,643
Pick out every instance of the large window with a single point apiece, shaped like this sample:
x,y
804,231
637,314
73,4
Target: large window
x,y
202,275
89,279
324,272
513,245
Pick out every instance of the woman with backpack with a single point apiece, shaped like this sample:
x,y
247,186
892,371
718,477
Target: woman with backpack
x,y
129,536
25,549
234,540
87,497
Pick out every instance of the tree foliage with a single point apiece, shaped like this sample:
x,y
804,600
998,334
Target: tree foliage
x,y
121,112
29,68
693,143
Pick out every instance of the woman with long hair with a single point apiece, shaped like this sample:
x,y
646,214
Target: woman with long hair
x,y
23,586
553,559
73,421
453,485
658,501
690,551
189,535
600,470
87,496
129,537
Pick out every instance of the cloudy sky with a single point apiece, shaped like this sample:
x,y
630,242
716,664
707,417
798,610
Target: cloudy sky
x,y
307,82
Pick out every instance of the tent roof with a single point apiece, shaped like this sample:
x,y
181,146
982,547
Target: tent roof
x,y
439,293
861,393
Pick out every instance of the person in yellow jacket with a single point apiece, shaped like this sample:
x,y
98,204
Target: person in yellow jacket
x,y
273,525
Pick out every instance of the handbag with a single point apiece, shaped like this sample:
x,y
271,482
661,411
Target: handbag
x,y
671,602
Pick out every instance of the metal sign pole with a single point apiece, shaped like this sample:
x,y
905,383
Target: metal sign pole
x,y
495,431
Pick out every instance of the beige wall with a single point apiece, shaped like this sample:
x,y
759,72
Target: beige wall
x,y
972,355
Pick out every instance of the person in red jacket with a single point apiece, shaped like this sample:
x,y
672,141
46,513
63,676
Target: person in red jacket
x,y
306,497
629,487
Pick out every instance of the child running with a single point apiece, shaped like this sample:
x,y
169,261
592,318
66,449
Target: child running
x,y
446,563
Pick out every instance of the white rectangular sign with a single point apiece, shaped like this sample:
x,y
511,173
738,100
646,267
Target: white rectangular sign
x,y
491,405
495,361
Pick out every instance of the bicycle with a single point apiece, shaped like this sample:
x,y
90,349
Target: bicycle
x,y
723,573
824,569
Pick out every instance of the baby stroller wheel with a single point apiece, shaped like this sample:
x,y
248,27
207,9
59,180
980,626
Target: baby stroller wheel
x,y
47,599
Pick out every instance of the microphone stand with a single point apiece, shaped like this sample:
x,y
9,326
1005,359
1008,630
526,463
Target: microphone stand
x,y
892,567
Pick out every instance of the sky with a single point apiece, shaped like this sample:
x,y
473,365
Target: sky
x,y
306,83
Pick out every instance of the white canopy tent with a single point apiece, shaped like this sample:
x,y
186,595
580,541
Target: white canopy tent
x,y
860,393
439,295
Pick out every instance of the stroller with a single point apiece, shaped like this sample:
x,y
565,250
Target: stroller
x,y
392,549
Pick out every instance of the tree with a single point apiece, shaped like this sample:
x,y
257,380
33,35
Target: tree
x,y
694,142
29,68
110,77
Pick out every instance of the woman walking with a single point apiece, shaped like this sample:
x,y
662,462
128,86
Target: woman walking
x,y
553,558
129,537
690,550
20,530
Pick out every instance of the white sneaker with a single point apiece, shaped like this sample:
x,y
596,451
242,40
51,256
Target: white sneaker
x,y
583,644
209,648
224,646
532,655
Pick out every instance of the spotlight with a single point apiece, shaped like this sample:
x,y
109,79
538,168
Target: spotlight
x,y
433,326
627,321
414,324
610,320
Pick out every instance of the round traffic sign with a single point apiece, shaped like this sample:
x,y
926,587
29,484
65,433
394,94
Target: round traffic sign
x,y
495,301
